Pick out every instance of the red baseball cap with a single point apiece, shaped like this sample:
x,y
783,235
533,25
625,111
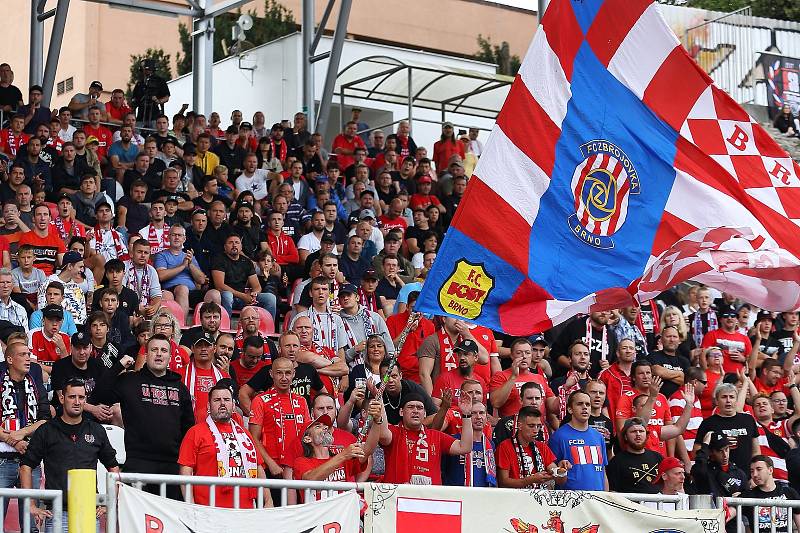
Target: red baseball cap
x,y
667,464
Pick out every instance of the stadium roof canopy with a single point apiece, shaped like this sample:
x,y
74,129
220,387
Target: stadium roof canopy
x,y
423,85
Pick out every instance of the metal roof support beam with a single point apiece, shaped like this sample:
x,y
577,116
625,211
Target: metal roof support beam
x,y
54,51
322,23
410,101
156,8
202,62
209,12
308,68
36,58
333,65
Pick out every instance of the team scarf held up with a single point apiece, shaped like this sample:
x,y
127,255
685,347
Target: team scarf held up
x,y
236,456
369,301
448,361
324,336
697,325
141,287
564,392
62,230
13,418
152,238
603,342
656,318
99,242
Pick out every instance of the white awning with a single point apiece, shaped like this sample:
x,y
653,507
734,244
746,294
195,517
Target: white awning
x,y
422,85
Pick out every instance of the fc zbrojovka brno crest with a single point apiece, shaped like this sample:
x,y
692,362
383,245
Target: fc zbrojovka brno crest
x,y
601,186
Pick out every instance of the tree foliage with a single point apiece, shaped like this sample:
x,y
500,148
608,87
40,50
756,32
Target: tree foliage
x,y
162,66
276,22
775,9
500,55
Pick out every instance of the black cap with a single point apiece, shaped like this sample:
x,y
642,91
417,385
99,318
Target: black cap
x,y
64,196
206,338
467,345
248,205
189,149
71,257
412,397
392,236
232,129
718,441
173,198
348,288
36,88
101,204
245,125
763,315
97,84
80,339
53,311
726,311
327,237
538,339
369,274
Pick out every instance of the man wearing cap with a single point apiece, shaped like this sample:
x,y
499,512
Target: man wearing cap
x,y
671,476
423,197
413,452
230,153
253,179
466,352
392,244
68,275
317,463
735,347
179,272
712,472
366,292
246,225
80,103
87,199
48,344
201,374
218,446
345,144
360,323
64,223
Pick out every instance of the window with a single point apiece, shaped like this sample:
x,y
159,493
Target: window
x,y
60,87
69,84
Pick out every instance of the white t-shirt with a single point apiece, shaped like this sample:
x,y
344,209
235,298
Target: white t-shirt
x,y
309,241
257,183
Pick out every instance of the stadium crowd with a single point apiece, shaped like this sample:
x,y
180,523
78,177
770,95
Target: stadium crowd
x,y
330,244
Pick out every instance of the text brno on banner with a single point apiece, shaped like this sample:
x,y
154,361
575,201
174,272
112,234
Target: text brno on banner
x,y
412,509
141,512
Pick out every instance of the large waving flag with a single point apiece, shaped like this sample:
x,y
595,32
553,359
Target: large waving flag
x,y
616,169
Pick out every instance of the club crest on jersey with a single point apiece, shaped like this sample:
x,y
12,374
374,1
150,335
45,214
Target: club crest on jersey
x,y
465,291
601,186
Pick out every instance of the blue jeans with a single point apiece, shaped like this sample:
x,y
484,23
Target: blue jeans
x,y
265,300
48,524
9,477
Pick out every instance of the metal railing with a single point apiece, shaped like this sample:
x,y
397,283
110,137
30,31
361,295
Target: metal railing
x,y
784,523
24,497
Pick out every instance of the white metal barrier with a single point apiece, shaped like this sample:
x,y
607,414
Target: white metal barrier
x,y
776,517
24,497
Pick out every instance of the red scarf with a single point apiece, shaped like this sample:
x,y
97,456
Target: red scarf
x,y
370,301
152,238
63,232
98,242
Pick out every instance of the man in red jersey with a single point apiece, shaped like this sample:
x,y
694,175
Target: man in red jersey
x,y
467,353
505,385
345,144
48,344
48,248
413,452
437,353
219,446
617,377
12,137
103,135
201,374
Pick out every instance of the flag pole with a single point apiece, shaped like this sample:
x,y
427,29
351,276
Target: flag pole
x,y
541,9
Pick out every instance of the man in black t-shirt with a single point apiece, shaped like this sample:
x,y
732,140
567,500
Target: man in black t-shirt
x,y
233,274
667,364
634,468
765,488
739,428
768,346
785,336
595,332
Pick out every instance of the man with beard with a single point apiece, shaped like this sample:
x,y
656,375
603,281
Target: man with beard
x,y
595,332
234,276
413,452
210,319
504,386
437,355
397,389
634,467
451,380
576,378
305,382
360,323
787,334
318,464
218,446
667,363
523,461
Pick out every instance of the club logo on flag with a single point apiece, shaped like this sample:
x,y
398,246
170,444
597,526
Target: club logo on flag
x,y
465,291
601,185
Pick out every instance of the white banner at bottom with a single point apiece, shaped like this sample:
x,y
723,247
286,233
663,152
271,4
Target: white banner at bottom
x,y
141,512
415,509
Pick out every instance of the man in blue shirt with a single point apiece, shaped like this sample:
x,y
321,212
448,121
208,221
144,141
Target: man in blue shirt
x,y
581,445
477,468
179,272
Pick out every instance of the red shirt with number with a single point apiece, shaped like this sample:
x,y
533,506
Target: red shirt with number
x,y
415,453
104,137
199,451
44,349
45,249
283,417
